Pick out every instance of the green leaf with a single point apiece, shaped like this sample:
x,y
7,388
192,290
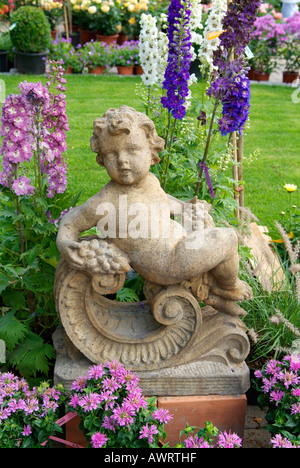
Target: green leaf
x,y
11,330
127,295
32,355
16,300
4,281
31,254
39,282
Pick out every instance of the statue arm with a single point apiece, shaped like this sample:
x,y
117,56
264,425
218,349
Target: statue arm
x,y
77,220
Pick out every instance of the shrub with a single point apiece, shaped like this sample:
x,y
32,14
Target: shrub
x,y
34,126
27,417
278,382
30,31
114,412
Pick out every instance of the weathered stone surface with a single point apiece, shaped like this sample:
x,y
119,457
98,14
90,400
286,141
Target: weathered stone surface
x,y
196,378
184,259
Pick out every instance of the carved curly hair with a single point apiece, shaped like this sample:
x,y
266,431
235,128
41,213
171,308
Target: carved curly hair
x,y
123,119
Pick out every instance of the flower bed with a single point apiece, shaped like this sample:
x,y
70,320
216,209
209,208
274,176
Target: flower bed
x,y
94,54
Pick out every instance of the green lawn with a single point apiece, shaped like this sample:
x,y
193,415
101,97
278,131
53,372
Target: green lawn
x,y
274,129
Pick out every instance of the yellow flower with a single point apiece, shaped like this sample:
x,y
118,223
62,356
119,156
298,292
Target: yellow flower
x,y
144,6
131,20
119,27
92,9
105,8
131,7
290,187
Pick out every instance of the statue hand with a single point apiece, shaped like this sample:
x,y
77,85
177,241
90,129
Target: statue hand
x,y
70,250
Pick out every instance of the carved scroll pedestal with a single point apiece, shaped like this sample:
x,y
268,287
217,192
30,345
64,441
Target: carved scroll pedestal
x,y
174,345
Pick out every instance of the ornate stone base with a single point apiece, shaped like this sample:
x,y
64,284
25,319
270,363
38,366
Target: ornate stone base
x,y
196,378
168,330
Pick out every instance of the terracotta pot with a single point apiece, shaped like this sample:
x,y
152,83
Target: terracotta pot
x,y
53,34
125,70
69,70
122,38
138,70
260,76
251,74
289,77
86,36
107,39
97,70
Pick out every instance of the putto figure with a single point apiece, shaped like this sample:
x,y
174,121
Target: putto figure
x,y
184,259
156,247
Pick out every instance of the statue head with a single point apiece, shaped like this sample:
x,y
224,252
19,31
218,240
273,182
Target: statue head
x,y
124,120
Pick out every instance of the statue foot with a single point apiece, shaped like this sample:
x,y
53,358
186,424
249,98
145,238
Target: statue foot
x,y
224,305
240,292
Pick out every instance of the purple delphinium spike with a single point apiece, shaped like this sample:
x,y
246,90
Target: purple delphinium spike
x,y
232,86
179,58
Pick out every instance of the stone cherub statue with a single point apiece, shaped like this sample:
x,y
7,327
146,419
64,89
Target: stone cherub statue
x,y
127,144
138,229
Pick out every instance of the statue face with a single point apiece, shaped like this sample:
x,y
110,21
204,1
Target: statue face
x,y
126,157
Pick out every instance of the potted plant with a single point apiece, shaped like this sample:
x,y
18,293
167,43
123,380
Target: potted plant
x,y
62,49
265,42
5,49
125,57
53,12
130,18
105,20
81,20
290,50
30,37
97,56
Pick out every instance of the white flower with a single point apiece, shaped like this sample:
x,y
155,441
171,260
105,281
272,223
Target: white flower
x,y
213,24
196,21
148,49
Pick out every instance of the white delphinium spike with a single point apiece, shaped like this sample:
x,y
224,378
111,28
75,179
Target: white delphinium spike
x,y
213,24
196,25
148,49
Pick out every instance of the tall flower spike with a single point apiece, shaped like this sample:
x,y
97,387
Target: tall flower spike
x,y
179,58
232,86
213,23
148,49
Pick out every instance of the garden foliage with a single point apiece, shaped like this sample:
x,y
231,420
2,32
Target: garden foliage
x,y
30,30
278,384
33,199
113,412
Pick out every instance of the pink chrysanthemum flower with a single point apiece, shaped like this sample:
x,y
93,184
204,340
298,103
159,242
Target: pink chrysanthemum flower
x,y
79,383
162,415
279,442
196,442
90,402
98,440
26,431
124,415
96,372
147,432
229,440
